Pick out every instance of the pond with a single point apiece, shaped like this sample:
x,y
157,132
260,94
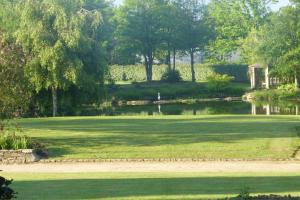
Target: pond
x,y
203,108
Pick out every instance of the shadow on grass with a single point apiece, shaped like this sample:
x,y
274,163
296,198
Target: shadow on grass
x,y
147,187
153,132
69,133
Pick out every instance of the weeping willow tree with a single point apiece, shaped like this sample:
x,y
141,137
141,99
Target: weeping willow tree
x,y
62,39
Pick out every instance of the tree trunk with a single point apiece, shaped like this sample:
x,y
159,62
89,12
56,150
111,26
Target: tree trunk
x,y
148,67
54,101
174,59
296,81
169,60
193,66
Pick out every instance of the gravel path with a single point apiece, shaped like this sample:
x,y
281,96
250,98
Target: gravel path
x,y
263,166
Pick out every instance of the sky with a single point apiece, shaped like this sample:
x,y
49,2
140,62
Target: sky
x,y
275,7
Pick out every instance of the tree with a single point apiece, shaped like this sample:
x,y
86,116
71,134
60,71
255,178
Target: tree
x,y
15,90
139,25
196,32
171,38
233,21
280,46
63,42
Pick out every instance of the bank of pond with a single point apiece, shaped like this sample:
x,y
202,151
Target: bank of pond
x,y
213,107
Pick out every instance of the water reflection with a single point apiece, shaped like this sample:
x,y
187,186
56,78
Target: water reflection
x,y
202,108
269,109
205,108
211,108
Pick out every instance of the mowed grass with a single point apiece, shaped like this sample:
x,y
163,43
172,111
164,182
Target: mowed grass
x,y
211,137
137,186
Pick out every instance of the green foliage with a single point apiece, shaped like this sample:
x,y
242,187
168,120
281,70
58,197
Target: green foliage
x,y
285,92
136,73
15,90
218,82
6,192
11,138
289,88
171,76
279,48
65,42
152,29
238,71
244,194
233,21
139,27
14,142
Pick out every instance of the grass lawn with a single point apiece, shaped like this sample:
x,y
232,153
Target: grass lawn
x,y
247,137
92,186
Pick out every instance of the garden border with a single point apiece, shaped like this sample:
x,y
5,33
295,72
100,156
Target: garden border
x,y
22,156
162,160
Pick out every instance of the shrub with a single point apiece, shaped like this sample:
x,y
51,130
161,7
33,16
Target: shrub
x,y
218,82
10,141
124,77
240,72
10,138
290,88
244,194
287,91
171,76
5,191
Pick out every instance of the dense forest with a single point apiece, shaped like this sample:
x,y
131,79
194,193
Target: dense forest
x,y
64,48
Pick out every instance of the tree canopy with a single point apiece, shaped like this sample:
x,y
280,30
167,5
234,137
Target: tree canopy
x,y
54,46
63,41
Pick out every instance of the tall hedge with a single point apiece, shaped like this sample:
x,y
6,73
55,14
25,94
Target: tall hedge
x,y
239,72
137,72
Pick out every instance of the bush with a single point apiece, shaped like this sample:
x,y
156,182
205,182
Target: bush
x,y
14,142
283,92
10,138
124,77
240,72
171,76
290,88
218,82
244,194
6,192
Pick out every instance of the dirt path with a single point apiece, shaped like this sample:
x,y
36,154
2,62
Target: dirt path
x,y
291,166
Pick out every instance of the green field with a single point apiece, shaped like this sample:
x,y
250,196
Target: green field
x,y
213,137
136,73
92,186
